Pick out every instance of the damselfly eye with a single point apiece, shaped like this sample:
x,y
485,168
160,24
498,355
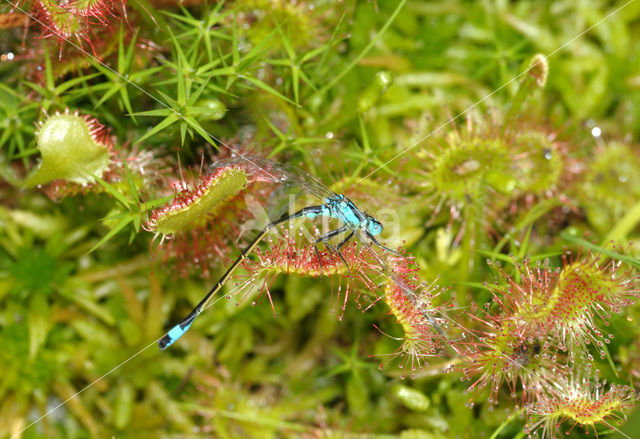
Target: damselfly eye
x,y
375,228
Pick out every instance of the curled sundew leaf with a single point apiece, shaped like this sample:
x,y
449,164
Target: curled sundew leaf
x,y
190,205
203,220
73,148
78,157
535,76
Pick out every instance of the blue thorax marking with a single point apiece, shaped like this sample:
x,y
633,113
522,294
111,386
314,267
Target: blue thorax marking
x,y
343,209
346,212
340,208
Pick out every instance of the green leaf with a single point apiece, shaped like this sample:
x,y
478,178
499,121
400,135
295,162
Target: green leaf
x,y
111,190
366,50
113,232
198,128
168,121
411,398
38,321
258,83
610,253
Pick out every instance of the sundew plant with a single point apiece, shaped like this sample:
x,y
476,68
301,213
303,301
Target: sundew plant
x,y
490,290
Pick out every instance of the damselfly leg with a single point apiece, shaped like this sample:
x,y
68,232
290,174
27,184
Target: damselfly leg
x,y
325,240
345,240
375,241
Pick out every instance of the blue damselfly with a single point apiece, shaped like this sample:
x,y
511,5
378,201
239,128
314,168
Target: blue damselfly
x,y
355,223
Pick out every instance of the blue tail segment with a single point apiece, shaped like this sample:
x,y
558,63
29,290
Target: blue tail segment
x,y
177,331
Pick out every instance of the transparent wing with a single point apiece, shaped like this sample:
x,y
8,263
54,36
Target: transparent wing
x,y
299,177
406,289
268,170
